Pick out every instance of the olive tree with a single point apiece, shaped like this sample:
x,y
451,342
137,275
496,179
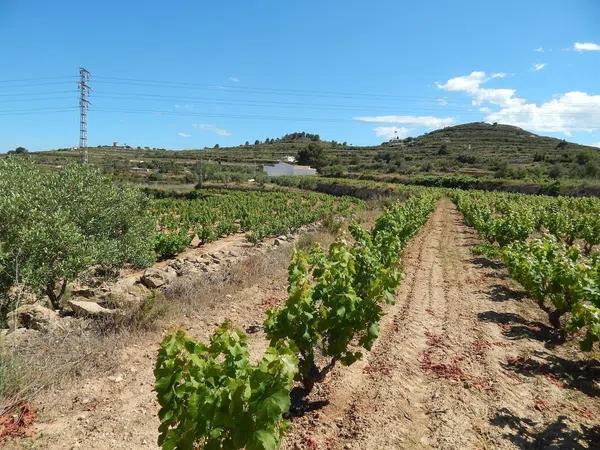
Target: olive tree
x,y
56,224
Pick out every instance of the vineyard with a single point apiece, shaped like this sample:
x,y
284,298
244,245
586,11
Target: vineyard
x,y
550,246
295,226
450,318
335,300
213,213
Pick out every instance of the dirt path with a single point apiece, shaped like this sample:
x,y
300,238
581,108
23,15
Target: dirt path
x,y
460,364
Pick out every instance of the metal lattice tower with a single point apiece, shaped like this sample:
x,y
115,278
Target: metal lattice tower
x,y
84,92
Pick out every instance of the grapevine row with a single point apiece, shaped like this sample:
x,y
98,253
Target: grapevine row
x,y
212,396
503,218
215,213
549,245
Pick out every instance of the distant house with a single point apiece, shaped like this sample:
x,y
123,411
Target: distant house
x,y
283,168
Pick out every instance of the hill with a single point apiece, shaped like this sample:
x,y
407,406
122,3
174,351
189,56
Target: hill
x,y
491,149
475,149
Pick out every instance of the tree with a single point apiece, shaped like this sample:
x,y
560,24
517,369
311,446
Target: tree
x,y
312,155
56,225
562,144
19,151
257,142
216,146
583,158
555,172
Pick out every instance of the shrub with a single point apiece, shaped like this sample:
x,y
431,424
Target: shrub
x,y
55,225
212,396
167,245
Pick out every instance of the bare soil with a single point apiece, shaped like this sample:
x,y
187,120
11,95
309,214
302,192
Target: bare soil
x,y
464,361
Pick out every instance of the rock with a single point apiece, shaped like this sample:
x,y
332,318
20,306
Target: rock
x,y
195,259
138,291
277,242
116,378
170,273
20,294
83,291
234,253
35,317
195,241
155,278
84,308
19,336
251,329
185,267
176,264
283,237
125,296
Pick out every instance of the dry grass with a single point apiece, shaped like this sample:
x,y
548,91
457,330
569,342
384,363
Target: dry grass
x,y
189,291
41,361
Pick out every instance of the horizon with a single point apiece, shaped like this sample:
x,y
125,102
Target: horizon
x,y
262,142
199,75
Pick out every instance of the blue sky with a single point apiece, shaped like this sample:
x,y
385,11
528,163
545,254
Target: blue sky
x,y
189,74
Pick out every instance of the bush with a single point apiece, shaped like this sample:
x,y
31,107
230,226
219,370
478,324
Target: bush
x,y
312,155
55,225
213,397
167,245
466,159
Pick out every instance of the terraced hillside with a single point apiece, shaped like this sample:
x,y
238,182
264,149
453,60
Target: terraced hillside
x,y
478,149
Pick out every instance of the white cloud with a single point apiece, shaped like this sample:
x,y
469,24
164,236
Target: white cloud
x,y
421,121
597,144
539,49
568,112
467,83
184,135
234,79
471,84
211,129
538,66
586,47
391,132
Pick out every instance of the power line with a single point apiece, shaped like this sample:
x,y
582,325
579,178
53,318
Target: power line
x,y
218,101
26,80
38,111
313,119
25,94
274,91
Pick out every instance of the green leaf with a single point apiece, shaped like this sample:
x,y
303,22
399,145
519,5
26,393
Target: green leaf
x,y
262,440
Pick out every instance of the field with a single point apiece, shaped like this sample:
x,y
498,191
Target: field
x,y
210,214
450,318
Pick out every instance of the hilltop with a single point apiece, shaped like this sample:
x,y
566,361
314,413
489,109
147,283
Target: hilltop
x,y
491,149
